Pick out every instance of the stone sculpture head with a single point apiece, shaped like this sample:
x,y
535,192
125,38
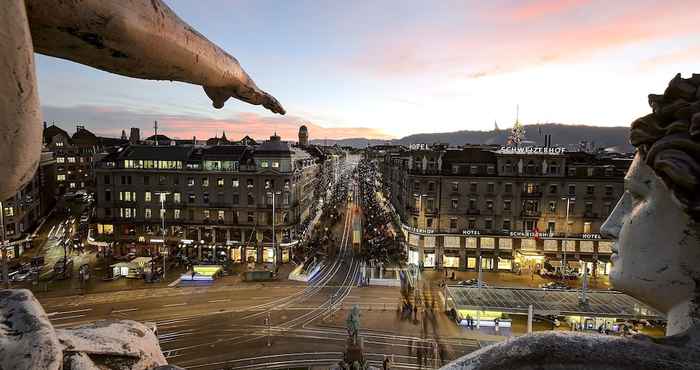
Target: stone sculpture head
x,y
656,223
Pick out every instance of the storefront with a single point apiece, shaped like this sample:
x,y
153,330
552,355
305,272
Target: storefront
x,y
429,258
413,256
268,255
505,263
450,259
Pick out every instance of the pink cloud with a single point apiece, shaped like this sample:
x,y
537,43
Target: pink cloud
x,y
506,40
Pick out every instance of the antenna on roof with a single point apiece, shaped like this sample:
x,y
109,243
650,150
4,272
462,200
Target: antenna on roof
x,y
155,129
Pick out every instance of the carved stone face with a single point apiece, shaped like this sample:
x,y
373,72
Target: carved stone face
x,y
655,251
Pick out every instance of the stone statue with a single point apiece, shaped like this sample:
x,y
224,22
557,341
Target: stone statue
x,y
353,323
656,229
29,341
135,38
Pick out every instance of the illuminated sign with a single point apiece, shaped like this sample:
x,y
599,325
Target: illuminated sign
x,y
157,241
417,230
590,236
418,147
531,150
529,234
471,232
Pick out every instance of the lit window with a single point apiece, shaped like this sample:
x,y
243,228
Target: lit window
x,y
9,211
176,197
147,213
60,160
71,159
147,196
205,181
275,164
264,164
205,213
220,182
236,183
221,215
60,177
176,214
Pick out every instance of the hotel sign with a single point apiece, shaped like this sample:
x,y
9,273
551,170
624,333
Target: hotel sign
x,y
471,232
417,230
531,150
418,147
529,234
590,236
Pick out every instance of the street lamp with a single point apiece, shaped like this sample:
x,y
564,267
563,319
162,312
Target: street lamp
x,y
162,195
274,248
566,230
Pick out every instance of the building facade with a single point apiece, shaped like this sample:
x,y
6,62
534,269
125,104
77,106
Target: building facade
x,y
511,208
218,199
74,157
22,212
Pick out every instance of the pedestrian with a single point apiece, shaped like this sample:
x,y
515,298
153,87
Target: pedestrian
x,y
453,275
495,322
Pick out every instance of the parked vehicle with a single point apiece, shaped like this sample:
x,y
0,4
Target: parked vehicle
x,y
555,285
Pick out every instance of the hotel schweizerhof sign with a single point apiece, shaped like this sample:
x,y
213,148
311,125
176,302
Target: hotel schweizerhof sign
x,y
531,150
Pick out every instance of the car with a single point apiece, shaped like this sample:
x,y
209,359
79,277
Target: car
x,y
470,283
555,285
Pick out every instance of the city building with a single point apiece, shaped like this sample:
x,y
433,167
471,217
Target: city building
x,y
303,136
512,208
22,212
218,198
74,157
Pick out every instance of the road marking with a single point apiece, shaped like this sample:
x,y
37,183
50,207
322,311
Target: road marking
x,y
125,310
219,300
64,312
174,304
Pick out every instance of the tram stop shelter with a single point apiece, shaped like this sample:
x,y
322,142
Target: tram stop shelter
x,y
599,307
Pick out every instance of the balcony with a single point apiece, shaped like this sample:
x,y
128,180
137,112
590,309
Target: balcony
x,y
473,211
531,194
530,213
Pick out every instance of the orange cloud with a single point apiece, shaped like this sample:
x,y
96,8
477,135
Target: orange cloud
x,y
110,121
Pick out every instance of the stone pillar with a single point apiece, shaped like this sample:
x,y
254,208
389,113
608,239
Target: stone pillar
x,y
199,251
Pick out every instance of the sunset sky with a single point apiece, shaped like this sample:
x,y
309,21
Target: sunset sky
x,y
386,69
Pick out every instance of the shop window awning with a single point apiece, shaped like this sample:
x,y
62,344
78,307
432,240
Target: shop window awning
x,y
550,302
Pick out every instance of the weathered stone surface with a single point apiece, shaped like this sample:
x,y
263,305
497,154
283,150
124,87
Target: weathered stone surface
x,y
578,351
656,101
667,112
28,340
680,88
695,79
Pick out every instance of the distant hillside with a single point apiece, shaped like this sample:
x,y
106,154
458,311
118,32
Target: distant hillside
x,y
563,135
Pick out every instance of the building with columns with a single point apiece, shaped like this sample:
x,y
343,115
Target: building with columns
x,y
511,208
218,202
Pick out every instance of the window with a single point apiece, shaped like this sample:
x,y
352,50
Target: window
x,y
191,198
572,189
220,182
416,186
162,180
9,211
472,203
608,190
176,197
106,179
491,188
430,204
553,189
147,196
60,177
471,224
71,159
251,200
287,184
586,227
455,187
506,224
108,212
551,226
176,180
590,171
590,189
146,180
236,183
236,198
589,207
176,214
250,183
572,171
429,222
431,186
251,217
473,169
490,169
608,171
59,143
489,224
220,215
285,199
264,164
205,181
60,160
108,195
127,212
489,204
473,187
147,213
72,185
455,169
608,207
552,206
506,205
127,196
275,164
205,197
205,213
190,181
453,224
415,221
455,203
190,214
508,188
